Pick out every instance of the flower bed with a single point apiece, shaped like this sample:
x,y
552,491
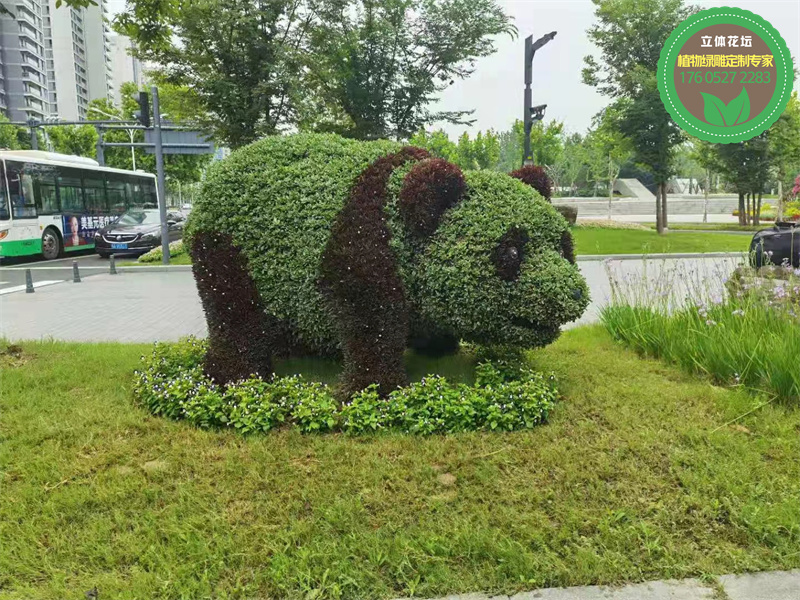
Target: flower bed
x,y
505,397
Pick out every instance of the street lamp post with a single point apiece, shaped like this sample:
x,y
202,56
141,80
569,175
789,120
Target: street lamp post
x,y
532,113
131,132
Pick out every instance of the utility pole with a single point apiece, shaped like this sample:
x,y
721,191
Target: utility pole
x,y
162,199
532,113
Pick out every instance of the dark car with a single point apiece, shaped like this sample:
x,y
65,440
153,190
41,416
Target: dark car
x,y
778,245
136,232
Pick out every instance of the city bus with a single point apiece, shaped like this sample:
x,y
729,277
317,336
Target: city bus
x,y
52,204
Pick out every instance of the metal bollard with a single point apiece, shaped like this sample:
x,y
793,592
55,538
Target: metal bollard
x,y
112,265
28,282
76,276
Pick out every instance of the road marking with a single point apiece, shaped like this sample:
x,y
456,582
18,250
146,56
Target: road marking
x,y
21,288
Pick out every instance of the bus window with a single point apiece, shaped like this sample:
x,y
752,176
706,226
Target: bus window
x,y
95,193
44,185
5,214
70,191
118,201
149,197
20,188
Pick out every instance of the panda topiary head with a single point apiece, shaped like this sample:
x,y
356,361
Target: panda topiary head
x,y
497,267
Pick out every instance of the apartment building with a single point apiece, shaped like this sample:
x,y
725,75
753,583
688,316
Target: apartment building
x,y
54,61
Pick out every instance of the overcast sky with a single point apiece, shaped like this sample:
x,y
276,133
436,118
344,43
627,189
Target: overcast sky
x,y
495,90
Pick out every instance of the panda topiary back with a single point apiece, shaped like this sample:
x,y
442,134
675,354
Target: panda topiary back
x,y
320,244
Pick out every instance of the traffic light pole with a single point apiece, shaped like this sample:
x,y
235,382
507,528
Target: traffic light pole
x,y
162,199
532,113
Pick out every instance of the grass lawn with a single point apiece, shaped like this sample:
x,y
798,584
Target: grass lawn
x,y
637,476
627,241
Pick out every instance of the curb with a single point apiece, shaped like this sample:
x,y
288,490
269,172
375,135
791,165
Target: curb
x,y
105,269
601,257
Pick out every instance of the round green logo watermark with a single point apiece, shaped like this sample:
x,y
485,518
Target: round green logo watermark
x,y
725,75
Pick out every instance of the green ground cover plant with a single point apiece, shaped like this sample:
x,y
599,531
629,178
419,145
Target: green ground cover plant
x,y
624,241
155,255
744,334
505,396
640,473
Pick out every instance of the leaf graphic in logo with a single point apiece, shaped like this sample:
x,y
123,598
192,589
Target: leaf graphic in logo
x,y
717,113
713,110
738,109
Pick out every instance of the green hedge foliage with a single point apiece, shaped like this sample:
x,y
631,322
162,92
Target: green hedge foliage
x,y
279,197
505,397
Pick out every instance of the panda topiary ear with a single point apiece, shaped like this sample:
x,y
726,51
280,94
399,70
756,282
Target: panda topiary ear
x,y
536,177
429,189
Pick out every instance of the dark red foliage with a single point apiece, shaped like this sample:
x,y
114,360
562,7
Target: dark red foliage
x,y
429,189
509,253
567,246
536,177
359,276
238,328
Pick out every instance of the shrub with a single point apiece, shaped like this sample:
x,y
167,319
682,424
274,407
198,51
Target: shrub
x,y
155,255
570,213
505,397
353,245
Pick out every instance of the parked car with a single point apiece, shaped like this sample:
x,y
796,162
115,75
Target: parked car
x,y
136,232
778,245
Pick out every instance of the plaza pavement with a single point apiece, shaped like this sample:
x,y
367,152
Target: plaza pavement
x,y
147,304
775,585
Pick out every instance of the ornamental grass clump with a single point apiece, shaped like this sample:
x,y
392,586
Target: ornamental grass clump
x,y
738,330
172,384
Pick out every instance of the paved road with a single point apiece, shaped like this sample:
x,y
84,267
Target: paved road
x,y
12,274
150,306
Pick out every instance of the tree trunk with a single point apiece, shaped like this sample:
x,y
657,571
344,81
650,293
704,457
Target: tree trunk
x,y
742,209
757,211
664,223
747,210
659,223
705,202
691,187
779,214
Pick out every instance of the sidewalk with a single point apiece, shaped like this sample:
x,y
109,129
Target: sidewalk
x,y
776,585
129,307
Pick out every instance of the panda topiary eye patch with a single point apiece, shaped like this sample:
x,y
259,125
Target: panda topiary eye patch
x,y
509,253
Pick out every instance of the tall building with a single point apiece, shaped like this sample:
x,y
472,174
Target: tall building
x,y
23,74
126,67
54,61
78,58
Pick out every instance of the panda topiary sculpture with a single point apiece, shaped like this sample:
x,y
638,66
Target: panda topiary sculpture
x,y
320,244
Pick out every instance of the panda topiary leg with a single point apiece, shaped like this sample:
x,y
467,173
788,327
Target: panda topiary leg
x,y
359,276
239,343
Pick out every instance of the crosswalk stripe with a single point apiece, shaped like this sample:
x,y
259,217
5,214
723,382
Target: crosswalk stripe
x,y
21,288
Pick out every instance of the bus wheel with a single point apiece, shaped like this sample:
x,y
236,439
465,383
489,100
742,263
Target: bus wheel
x,y
51,244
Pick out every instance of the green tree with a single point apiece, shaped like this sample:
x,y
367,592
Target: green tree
x,y
9,134
79,140
784,148
183,168
607,149
546,144
362,68
437,142
240,57
385,62
630,35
